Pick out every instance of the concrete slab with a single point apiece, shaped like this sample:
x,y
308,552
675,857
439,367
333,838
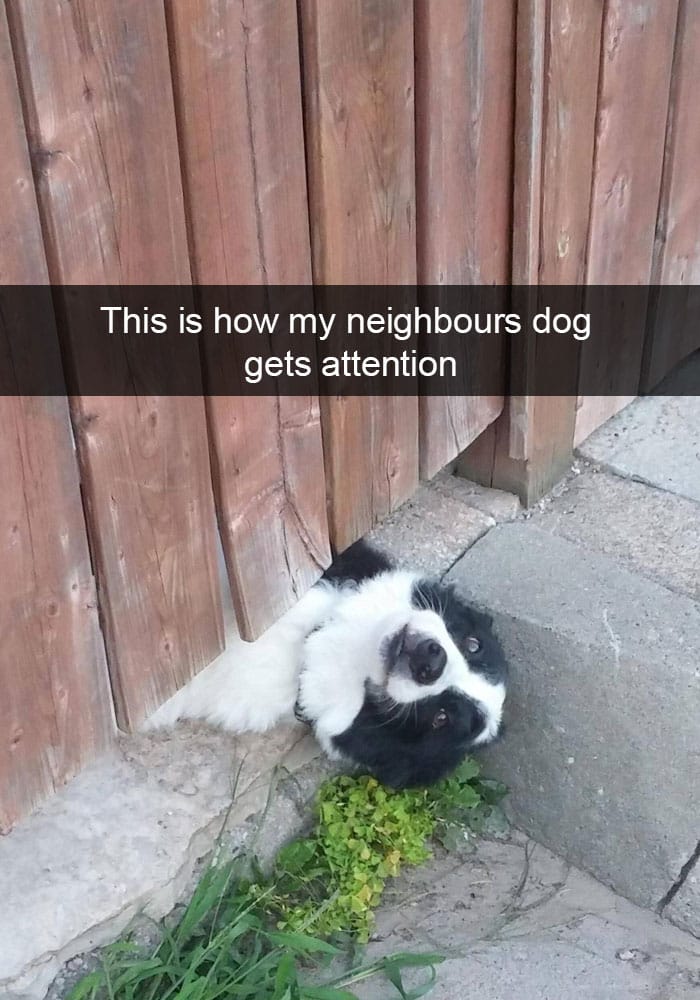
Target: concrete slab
x,y
684,908
644,529
430,531
498,504
125,838
656,439
602,750
516,923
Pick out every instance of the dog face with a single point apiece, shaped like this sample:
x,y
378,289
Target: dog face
x,y
404,680
443,644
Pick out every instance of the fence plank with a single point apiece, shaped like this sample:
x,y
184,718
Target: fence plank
x,y
464,172
637,55
55,704
557,80
238,102
674,332
359,82
102,129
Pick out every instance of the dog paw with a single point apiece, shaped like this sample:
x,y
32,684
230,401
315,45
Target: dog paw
x,y
300,716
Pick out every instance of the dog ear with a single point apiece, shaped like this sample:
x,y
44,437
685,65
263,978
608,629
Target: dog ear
x,y
358,563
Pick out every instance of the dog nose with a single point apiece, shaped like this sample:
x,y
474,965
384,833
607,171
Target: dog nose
x,y
427,661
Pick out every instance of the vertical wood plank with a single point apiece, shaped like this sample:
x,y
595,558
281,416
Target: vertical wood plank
x,y
55,704
572,69
464,174
98,96
465,70
499,457
558,49
238,102
359,112
637,56
675,330
572,38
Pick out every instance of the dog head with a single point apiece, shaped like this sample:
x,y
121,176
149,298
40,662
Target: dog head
x,y
444,644
431,673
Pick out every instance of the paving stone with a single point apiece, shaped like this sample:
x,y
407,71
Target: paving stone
x,y
498,504
516,923
645,529
601,756
602,749
430,531
656,438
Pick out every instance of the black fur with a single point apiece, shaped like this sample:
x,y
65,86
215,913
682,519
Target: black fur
x,y
400,745
357,563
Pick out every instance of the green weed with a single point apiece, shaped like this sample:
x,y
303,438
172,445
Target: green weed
x,y
270,938
332,881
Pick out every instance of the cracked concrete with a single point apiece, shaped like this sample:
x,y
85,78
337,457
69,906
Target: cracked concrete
x,y
681,903
74,875
681,880
431,530
516,922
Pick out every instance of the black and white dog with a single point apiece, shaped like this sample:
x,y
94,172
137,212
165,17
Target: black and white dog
x,y
393,672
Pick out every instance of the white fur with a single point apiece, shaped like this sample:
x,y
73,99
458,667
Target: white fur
x,y
252,686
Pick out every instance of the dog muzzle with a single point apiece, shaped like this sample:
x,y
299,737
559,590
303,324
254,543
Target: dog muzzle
x,y
416,656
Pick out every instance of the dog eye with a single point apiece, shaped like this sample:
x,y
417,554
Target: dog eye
x,y
472,644
441,719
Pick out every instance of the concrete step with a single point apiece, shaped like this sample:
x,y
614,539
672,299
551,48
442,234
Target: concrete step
x,y
602,751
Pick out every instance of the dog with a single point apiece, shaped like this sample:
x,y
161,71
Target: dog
x,y
393,672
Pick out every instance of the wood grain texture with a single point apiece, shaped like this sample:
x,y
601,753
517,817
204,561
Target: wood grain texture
x,y
238,101
359,111
464,140
464,174
572,64
55,704
637,56
675,328
98,96
556,98
236,74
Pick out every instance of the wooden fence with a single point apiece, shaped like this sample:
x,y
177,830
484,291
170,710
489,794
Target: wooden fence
x,y
605,192
265,141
